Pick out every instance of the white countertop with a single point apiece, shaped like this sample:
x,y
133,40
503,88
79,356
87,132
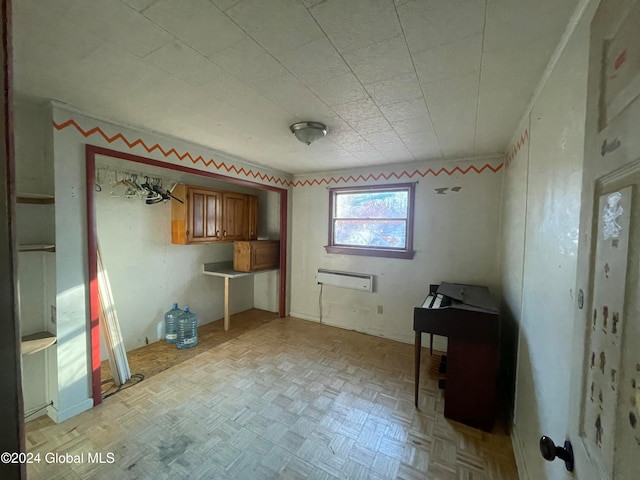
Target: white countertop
x,y
225,269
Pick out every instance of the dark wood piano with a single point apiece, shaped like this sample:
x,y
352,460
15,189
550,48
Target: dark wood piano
x,y
468,316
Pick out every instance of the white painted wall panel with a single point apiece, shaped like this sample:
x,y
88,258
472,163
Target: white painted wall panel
x,y
148,273
455,240
512,235
539,254
266,286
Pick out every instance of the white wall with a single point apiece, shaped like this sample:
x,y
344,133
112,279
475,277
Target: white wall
x,y
71,132
455,240
540,222
148,273
266,286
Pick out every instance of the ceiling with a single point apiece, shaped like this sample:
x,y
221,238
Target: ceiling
x,y
401,81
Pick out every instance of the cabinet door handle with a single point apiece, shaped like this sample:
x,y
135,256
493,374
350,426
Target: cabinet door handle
x,y
217,232
224,232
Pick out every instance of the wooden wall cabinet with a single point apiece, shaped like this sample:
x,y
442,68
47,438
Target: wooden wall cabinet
x,y
209,216
204,216
252,217
249,256
234,218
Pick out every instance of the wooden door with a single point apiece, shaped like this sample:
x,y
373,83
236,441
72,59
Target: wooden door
x,y
233,216
605,390
204,216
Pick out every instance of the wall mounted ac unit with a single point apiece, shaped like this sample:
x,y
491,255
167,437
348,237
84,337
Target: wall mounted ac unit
x,y
355,281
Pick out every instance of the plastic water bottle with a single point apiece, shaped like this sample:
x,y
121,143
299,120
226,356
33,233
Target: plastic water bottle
x,y
171,324
187,329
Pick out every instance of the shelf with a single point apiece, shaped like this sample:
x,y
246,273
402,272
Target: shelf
x,y
36,342
35,198
36,248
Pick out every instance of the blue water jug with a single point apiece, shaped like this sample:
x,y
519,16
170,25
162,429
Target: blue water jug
x,y
171,324
187,329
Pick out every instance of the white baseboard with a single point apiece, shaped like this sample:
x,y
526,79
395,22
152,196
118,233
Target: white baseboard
x,y
439,343
304,316
59,416
518,453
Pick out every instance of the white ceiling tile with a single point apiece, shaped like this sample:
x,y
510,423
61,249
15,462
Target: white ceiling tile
x,y
522,64
247,99
311,3
423,146
139,5
497,107
369,157
353,142
522,22
314,61
225,4
248,61
455,127
357,110
452,89
414,17
336,126
420,124
48,40
385,59
198,23
450,116
338,90
404,110
115,22
123,67
380,138
178,59
450,60
396,150
277,26
395,90
354,24
88,54
294,97
371,125
428,24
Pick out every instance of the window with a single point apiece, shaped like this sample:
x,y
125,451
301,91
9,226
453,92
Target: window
x,y
373,220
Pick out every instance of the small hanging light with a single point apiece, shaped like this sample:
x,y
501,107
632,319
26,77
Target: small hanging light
x,y
308,132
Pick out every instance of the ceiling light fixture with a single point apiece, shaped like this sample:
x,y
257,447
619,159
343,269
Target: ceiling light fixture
x,y
308,132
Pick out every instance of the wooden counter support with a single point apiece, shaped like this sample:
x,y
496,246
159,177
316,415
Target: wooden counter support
x,y
227,320
225,270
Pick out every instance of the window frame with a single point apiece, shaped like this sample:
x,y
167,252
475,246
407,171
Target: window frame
x,y
406,253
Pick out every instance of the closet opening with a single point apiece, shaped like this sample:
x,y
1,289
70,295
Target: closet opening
x,y
129,202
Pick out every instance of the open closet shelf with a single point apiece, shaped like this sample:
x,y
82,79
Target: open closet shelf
x,y
37,248
35,198
35,342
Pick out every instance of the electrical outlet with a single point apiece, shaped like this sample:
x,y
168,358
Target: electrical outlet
x,y
379,309
53,314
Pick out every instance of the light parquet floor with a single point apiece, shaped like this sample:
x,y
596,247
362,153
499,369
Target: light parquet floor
x,y
289,399
158,356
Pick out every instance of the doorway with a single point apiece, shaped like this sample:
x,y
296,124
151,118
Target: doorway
x,y
94,155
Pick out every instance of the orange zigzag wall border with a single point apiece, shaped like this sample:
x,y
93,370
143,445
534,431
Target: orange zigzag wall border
x,y
516,148
264,177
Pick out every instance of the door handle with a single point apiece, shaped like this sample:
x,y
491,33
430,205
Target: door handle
x,y
550,451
